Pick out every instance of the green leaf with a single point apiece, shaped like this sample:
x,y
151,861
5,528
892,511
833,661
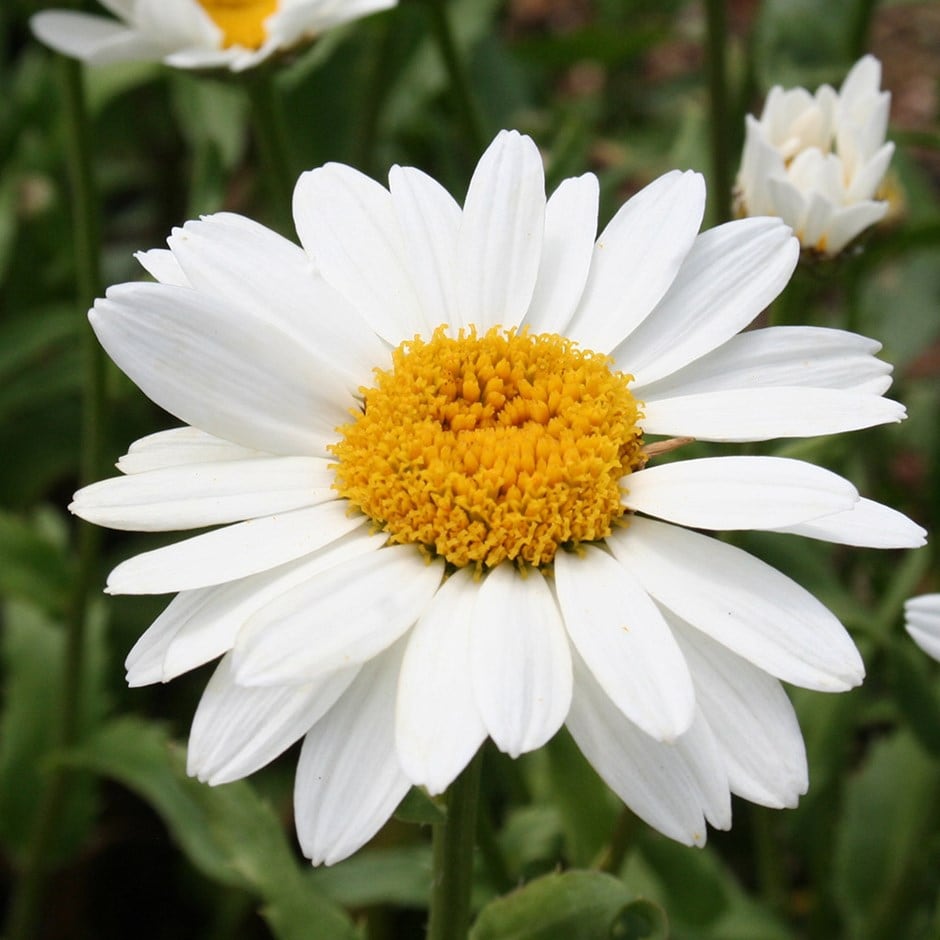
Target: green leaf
x,y
32,566
882,860
400,876
915,691
574,905
33,653
228,832
641,920
418,807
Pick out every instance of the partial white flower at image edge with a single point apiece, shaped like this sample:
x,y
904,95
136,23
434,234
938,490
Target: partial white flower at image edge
x,y
195,34
922,622
425,433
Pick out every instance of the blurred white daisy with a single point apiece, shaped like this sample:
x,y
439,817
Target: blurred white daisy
x,y
425,436
818,161
922,622
195,34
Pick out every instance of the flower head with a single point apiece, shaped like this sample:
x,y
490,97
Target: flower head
x,y
197,34
922,622
818,161
426,436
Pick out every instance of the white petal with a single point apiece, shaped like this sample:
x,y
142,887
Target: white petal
x,y
567,248
636,258
179,446
738,492
766,413
731,274
751,718
83,36
160,264
342,617
922,622
198,495
348,779
235,551
795,356
501,233
237,730
258,271
201,624
438,727
868,524
347,224
742,603
237,377
654,779
520,660
624,641
851,221
429,219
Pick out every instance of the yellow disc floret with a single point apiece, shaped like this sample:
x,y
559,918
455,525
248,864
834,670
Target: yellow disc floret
x,y
241,21
490,448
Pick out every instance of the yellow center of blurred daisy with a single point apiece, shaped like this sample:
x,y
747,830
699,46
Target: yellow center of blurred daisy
x,y
490,448
241,21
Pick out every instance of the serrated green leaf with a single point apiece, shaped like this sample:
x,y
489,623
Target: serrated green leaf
x,y
574,905
228,832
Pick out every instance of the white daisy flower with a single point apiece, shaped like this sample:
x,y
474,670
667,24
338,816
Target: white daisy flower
x,y
425,436
195,34
818,161
922,622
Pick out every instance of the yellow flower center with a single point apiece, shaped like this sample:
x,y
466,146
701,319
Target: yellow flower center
x,y
489,448
241,21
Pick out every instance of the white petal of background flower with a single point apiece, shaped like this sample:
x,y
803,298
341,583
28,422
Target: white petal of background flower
x,y
238,729
349,780
567,249
728,277
438,727
922,622
500,242
198,495
343,616
234,551
624,641
742,603
201,624
519,660
738,492
636,258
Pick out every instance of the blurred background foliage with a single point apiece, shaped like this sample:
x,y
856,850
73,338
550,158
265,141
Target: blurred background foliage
x,y
615,86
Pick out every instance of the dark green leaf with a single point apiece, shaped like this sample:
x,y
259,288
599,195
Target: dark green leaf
x,y
418,807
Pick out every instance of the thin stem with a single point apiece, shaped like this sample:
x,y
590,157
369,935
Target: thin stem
x,y
267,116
457,72
378,85
720,118
771,876
613,855
860,27
453,844
25,906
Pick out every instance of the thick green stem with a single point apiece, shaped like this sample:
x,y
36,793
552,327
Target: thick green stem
x,y
719,110
25,906
453,845
267,116
457,72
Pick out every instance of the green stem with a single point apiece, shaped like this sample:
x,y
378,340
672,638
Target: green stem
x,y
612,858
860,27
25,907
267,116
771,877
457,72
720,117
453,844
378,85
